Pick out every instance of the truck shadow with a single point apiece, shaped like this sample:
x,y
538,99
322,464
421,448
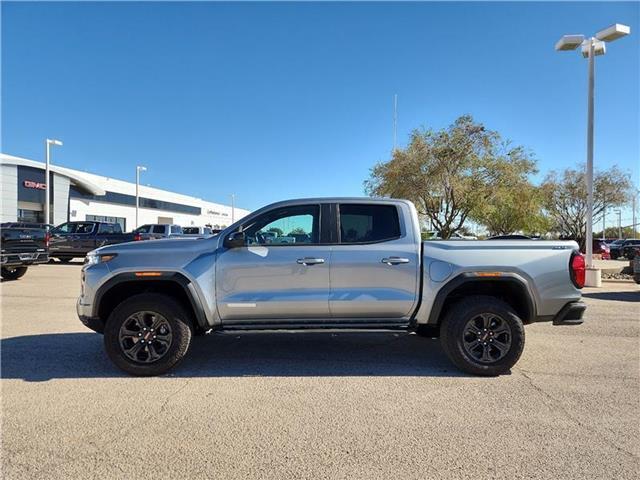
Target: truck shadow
x,y
617,296
38,358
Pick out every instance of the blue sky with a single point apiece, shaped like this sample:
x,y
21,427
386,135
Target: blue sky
x,y
278,100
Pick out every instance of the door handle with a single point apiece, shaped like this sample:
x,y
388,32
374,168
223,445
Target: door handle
x,y
310,261
395,260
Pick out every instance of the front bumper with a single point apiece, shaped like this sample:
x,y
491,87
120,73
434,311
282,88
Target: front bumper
x,y
17,259
571,314
85,316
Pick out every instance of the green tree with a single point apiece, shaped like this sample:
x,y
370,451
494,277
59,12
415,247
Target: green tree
x,y
565,198
451,173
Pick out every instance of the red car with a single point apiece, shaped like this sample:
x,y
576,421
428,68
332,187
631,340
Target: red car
x,y
602,249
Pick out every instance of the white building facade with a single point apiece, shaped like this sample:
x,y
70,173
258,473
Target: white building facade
x,y
77,195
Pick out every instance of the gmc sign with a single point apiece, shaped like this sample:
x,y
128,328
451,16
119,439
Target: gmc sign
x,y
36,185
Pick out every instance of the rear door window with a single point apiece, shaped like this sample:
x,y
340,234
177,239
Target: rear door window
x,y
362,223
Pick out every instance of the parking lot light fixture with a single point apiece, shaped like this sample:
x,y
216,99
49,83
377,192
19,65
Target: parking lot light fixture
x,y
591,47
139,168
47,192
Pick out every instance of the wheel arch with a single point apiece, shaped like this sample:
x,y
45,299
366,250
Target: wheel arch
x,y
508,287
173,284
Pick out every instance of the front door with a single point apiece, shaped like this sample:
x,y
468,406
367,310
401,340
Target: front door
x,y
375,266
282,273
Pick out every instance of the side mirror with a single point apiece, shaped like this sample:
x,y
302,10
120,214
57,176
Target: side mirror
x,y
236,240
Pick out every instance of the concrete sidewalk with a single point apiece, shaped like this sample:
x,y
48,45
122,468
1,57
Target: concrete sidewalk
x,y
611,266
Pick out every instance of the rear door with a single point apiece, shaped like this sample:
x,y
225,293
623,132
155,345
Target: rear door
x,y
283,275
375,264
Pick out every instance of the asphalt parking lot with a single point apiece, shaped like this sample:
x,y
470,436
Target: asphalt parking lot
x,y
316,405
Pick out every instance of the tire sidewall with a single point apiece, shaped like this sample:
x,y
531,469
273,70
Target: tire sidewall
x,y
181,332
18,272
453,334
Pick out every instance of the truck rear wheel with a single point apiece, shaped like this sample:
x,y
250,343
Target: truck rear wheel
x,y
482,335
13,273
147,334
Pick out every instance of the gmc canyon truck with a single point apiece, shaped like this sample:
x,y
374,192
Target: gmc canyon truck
x,y
354,264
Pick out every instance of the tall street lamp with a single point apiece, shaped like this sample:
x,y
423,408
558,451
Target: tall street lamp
x,y
591,47
139,168
233,208
47,194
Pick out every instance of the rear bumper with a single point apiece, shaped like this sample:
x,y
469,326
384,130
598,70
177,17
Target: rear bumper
x,y
571,314
17,259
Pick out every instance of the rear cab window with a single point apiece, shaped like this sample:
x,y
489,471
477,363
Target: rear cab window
x,y
363,223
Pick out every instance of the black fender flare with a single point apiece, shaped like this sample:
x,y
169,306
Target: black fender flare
x,y
472,277
166,276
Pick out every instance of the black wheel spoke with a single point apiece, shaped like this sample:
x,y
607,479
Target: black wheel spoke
x,y
487,338
145,337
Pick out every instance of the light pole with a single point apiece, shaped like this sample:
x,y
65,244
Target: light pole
x,y
619,212
139,168
47,194
591,47
233,208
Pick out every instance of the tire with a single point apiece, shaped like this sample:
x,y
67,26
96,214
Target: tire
x,y
13,273
153,308
65,259
460,330
614,256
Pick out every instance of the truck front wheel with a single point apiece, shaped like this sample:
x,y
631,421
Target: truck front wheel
x,y
482,335
13,273
147,334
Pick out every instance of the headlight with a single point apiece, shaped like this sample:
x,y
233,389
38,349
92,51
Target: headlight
x,y
94,258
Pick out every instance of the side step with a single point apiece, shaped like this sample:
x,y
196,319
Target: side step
x,y
315,325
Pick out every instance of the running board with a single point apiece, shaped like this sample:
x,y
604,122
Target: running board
x,y
369,325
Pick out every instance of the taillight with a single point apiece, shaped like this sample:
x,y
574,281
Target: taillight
x,y
578,269
137,237
47,237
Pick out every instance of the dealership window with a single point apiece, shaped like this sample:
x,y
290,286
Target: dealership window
x,y
30,216
102,218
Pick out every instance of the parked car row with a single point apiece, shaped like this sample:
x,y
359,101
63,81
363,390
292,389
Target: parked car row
x,y
25,244
626,248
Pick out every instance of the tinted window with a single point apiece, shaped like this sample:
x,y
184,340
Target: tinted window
x,y
176,229
190,230
143,229
84,227
285,226
158,229
368,223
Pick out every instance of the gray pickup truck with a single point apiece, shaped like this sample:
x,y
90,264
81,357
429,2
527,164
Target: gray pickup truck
x,y
333,263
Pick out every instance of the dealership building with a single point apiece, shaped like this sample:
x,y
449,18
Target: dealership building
x,y
76,195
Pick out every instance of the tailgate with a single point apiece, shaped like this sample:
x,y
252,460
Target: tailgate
x,y
22,240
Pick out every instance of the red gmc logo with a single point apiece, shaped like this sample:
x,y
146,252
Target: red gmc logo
x,y
32,184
